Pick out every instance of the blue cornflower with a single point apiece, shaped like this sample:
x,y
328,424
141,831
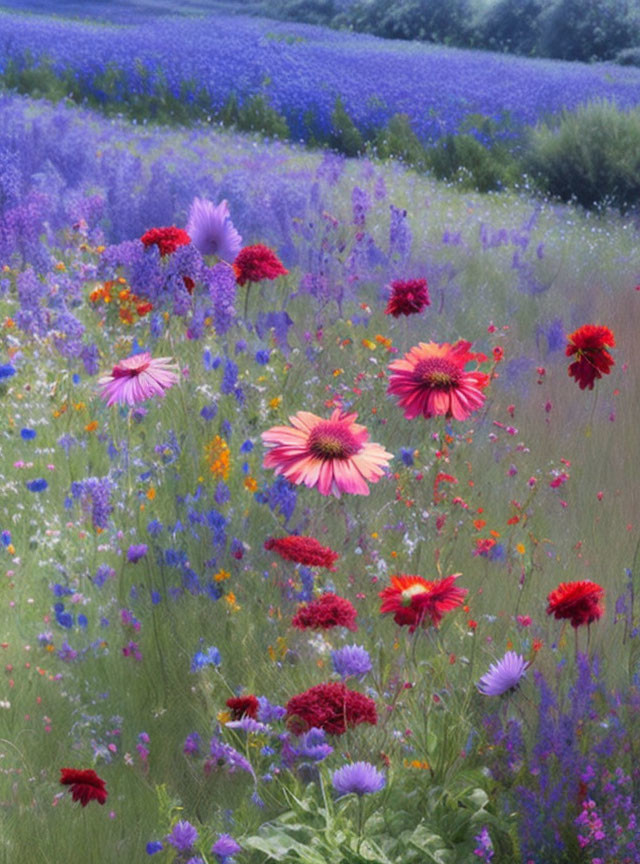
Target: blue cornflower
x,y
209,411
406,454
28,434
38,485
247,446
361,778
209,658
153,847
262,357
351,660
6,371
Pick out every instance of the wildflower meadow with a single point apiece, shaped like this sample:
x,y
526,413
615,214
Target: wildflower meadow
x,y
319,510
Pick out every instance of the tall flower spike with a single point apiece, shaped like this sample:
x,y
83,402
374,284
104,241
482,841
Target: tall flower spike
x,y
211,230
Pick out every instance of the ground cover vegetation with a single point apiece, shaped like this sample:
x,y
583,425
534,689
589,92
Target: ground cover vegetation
x,y
468,117
243,623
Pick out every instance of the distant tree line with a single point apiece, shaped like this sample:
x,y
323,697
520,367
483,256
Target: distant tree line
x,y
585,30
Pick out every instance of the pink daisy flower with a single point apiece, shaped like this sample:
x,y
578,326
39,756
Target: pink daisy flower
x,y
136,379
334,455
431,379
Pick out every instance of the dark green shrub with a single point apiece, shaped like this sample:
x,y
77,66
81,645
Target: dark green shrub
x,y
464,159
512,25
629,56
256,115
589,29
591,155
399,141
345,135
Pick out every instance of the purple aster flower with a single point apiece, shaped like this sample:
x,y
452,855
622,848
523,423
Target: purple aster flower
x,y
211,229
363,778
268,712
504,675
225,756
183,836
351,660
248,724
136,552
224,847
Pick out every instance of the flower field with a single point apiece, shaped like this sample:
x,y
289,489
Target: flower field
x,y
318,507
301,71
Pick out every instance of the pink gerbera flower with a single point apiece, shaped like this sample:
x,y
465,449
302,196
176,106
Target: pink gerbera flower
x,y
334,455
137,378
431,379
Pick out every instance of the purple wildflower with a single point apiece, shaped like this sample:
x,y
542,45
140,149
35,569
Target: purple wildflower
x,y
351,660
504,675
224,847
212,231
484,848
361,778
136,552
183,836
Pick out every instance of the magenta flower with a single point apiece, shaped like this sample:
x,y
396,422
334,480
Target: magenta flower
x,y
212,231
136,379
504,675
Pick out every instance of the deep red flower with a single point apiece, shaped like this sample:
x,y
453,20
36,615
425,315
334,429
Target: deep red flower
x,y
592,358
413,599
166,239
332,707
579,602
255,263
408,298
303,550
85,785
326,612
243,706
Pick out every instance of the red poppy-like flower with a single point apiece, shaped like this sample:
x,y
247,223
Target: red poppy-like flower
x,y
166,239
592,358
326,612
303,550
413,599
332,707
255,263
431,379
408,298
243,706
579,602
334,455
85,785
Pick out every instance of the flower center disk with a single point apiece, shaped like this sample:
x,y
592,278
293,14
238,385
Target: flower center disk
x,y
438,373
332,441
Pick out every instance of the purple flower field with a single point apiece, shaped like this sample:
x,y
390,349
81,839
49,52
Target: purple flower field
x,y
318,498
301,70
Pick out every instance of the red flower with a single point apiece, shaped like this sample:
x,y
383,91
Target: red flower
x,y
592,358
303,550
579,602
166,239
431,379
326,612
243,706
332,707
255,263
85,785
408,298
413,599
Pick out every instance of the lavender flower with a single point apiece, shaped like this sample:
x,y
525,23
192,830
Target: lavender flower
x,y
183,836
351,660
504,675
212,231
361,778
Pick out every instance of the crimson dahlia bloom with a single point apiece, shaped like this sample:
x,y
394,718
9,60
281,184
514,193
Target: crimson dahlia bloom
x,y
255,263
413,599
334,455
243,706
166,239
136,379
592,358
85,785
303,550
332,707
578,602
408,298
431,379
326,612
